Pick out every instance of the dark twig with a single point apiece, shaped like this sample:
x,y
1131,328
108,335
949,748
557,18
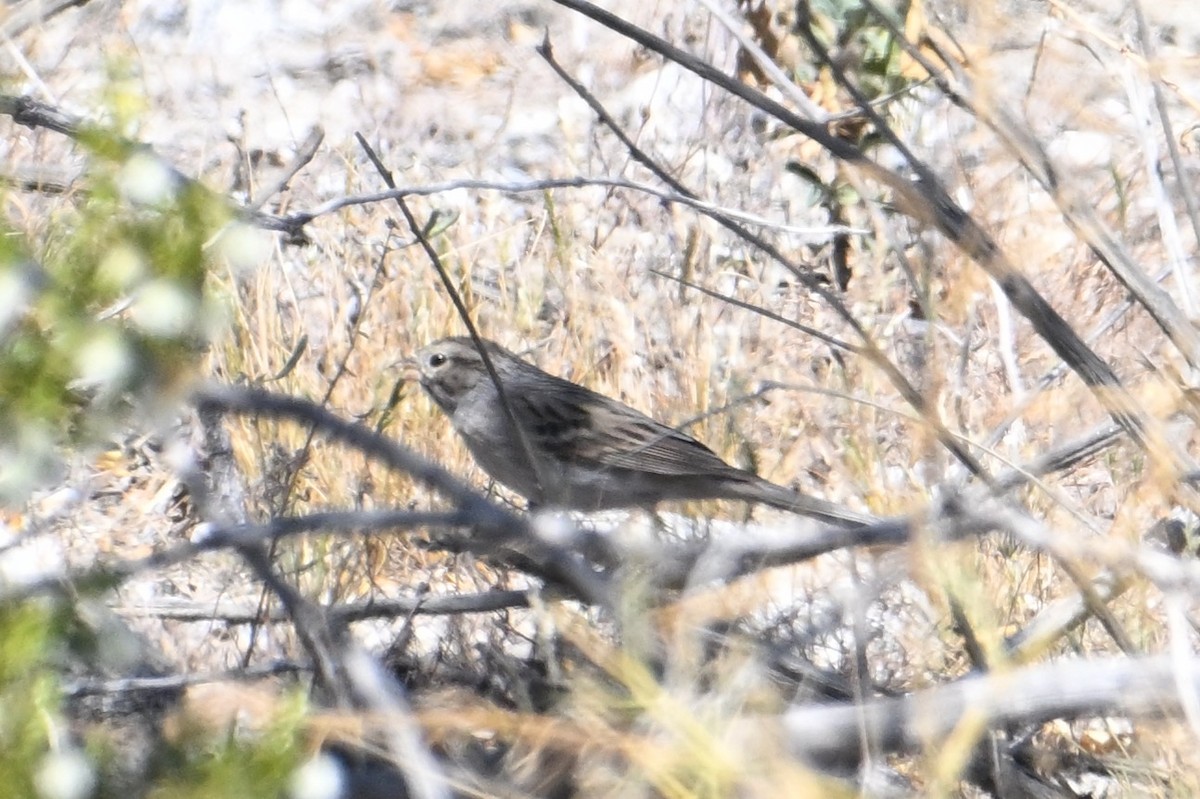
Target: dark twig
x,y
820,335
220,537
304,154
869,349
424,605
928,201
289,483
1054,373
1077,211
46,180
323,642
35,114
365,522
1061,457
1095,598
21,17
509,553
464,315
494,525
242,400
177,682
1061,617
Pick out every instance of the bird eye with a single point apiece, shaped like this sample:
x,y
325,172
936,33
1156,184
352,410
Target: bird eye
x,y
437,359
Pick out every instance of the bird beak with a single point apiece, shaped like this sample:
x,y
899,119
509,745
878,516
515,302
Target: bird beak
x,y
409,371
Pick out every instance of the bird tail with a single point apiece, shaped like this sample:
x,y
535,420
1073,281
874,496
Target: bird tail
x,y
777,496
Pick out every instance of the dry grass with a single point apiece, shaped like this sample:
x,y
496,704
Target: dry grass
x,y
566,276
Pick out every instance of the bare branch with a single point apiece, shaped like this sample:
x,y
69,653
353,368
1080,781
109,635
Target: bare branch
x,y
834,735
240,613
177,682
24,16
494,525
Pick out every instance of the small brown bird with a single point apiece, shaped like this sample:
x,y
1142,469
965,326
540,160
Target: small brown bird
x,y
593,453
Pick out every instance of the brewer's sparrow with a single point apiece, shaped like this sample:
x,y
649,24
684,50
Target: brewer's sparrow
x,y
593,452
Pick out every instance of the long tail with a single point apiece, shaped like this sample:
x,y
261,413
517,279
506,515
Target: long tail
x,y
768,493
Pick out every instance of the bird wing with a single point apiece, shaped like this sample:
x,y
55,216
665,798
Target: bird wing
x,y
587,428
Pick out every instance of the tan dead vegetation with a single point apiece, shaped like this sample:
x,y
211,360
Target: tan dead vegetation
x,y
566,277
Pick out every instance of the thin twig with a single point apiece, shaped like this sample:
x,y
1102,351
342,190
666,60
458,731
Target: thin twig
x,y
24,16
1183,180
494,525
294,222
177,682
424,605
869,349
304,154
536,466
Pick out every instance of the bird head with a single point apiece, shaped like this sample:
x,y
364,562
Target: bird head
x,y
449,369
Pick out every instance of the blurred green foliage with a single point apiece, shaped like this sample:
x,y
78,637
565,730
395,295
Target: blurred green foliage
x,y
27,694
861,44
103,313
107,312
261,764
